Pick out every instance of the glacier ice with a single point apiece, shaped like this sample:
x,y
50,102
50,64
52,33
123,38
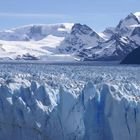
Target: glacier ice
x,y
49,102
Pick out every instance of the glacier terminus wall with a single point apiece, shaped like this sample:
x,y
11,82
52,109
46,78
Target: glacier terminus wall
x,y
51,102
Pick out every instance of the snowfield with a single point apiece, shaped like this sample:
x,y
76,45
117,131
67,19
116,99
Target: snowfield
x,y
54,102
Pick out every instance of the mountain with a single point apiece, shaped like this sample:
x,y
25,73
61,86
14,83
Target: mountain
x,y
71,41
47,42
81,37
116,48
36,41
130,20
36,32
107,33
125,27
133,57
119,41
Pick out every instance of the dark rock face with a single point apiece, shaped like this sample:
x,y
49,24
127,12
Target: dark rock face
x,y
81,29
26,57
80,37
119,49
136,31
129,17
36,33
133,57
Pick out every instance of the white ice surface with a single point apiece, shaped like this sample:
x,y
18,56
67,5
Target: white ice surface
x,y
49,102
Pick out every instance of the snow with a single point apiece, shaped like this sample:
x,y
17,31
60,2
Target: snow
x,y
39,101
44,48
12,49
66,41
42,44
127,23
60,29
137,14
81,37
130,20
103,36
54,29
135,25
59,58
107,33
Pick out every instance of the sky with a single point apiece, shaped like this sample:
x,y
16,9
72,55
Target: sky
x,y
98,14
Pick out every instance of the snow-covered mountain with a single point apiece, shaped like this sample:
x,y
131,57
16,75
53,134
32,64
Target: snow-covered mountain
x,y
81,37
119,41
125,26
36,41
35,32
70,42
116,48
46,42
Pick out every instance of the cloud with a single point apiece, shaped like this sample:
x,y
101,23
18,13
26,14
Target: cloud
x,y
33,15
104,14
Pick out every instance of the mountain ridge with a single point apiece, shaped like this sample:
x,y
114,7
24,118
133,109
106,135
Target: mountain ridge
x,y
43,42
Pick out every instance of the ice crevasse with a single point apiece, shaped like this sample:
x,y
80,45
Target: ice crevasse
x,y
31,110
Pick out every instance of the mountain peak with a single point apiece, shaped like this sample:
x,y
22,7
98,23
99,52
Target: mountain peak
x,y
36,32
131,19
56,25
137,14
40,41
81,29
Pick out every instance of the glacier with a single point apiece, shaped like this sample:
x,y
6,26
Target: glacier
x,y
68,102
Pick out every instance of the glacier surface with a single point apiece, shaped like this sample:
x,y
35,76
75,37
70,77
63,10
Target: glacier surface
x,y
55,102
